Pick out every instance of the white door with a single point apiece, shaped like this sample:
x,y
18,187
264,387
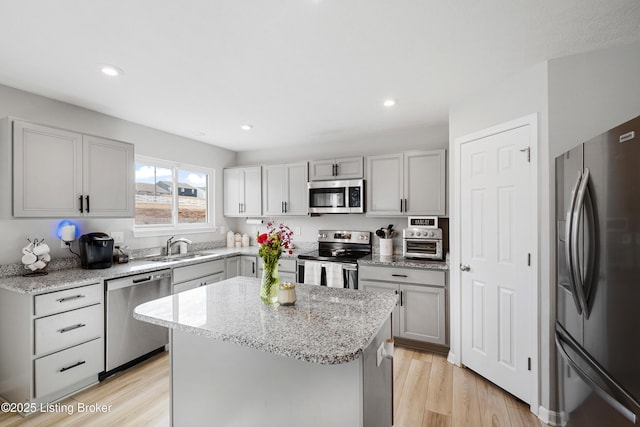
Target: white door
x,y
497,287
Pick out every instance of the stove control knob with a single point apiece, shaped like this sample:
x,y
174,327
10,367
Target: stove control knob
x,y
430,234
323,236
410,233
361,237
418,234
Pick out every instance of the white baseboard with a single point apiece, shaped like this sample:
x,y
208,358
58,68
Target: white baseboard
x,y
549,417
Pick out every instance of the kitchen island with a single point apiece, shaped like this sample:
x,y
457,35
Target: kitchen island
x,y
238,362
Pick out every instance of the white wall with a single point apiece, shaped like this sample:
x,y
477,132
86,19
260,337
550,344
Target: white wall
x,y
576,97
519,96
148,141
416,138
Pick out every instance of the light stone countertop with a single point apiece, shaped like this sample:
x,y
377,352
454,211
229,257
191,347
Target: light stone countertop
x,y
326,325
73,277
401,262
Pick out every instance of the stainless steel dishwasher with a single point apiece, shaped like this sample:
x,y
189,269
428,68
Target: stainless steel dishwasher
x,y
129,340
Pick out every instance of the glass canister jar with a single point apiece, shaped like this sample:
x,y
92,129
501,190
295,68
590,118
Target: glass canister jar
x,y
287,293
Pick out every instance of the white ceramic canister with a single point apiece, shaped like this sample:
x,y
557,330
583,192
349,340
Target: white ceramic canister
x,y
386,247
245,240
230,239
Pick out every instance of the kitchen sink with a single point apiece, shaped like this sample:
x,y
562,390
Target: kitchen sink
x,y
177,257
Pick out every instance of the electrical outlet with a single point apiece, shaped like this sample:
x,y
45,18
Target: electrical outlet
x,y
118,237
380,354
63,244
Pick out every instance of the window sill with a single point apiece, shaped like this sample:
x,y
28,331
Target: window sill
x,y
165,231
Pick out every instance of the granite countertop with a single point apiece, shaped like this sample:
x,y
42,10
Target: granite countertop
x,y
402,262
326,325
73,277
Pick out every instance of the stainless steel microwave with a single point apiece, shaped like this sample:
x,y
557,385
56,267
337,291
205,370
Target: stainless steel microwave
x,y
336,196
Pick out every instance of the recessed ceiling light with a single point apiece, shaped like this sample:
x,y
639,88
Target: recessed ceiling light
x,y
389,103
246,127
110,70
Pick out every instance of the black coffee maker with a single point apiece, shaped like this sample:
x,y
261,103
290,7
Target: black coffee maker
x,y
96,250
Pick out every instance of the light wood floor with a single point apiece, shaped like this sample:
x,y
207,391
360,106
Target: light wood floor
x,y
428,391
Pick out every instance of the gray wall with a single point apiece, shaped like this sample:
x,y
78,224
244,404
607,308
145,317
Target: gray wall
x,y
148,141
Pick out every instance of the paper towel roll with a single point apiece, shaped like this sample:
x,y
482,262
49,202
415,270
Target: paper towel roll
x,y
251,221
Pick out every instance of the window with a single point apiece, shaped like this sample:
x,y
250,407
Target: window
x,y
172,195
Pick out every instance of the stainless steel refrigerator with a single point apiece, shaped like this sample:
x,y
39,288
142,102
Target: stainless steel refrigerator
x,y
598,279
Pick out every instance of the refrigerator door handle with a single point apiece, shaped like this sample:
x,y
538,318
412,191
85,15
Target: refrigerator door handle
x,y
563,337
579,283
568,238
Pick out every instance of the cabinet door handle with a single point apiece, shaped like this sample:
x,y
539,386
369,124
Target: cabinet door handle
x,y
399,275
71,328
81,204
70,298
282,207
400,205
73,366
87,199
401,295
253,267
405,205
285,207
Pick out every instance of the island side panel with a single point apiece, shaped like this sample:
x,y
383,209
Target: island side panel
x,y
221,383
378,381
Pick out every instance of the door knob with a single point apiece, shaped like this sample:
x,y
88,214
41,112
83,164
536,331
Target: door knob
x,y
465,267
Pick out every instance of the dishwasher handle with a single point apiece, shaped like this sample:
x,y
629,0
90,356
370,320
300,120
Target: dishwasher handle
x,y
137,280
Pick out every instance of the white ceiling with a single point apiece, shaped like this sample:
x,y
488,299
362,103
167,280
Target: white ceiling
x,y
299,71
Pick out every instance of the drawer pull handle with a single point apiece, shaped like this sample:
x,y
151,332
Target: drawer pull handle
x,y
142,279
71,328
399,275
70,298
73,366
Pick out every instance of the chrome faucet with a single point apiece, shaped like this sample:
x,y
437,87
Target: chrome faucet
x,y
171,242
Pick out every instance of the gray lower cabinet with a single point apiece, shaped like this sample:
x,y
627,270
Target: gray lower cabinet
x,y
232,267
194,275
287,269
421,312
248,266
56,344
242,265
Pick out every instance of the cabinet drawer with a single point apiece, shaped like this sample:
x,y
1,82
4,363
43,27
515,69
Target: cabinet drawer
x,y
69,299
288,264
69,328
402,275
67,367
192,284
190,272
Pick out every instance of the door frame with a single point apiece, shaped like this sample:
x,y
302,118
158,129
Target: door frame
x,y
455,353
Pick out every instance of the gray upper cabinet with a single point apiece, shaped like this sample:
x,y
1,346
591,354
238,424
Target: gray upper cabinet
x,y
343,168
59,173
284,189
243,191
409,183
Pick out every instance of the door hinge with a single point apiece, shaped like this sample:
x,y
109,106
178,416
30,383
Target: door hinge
x,y
528,150
529,363
529,260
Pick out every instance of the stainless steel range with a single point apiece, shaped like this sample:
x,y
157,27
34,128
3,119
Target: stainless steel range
x,y
335,263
